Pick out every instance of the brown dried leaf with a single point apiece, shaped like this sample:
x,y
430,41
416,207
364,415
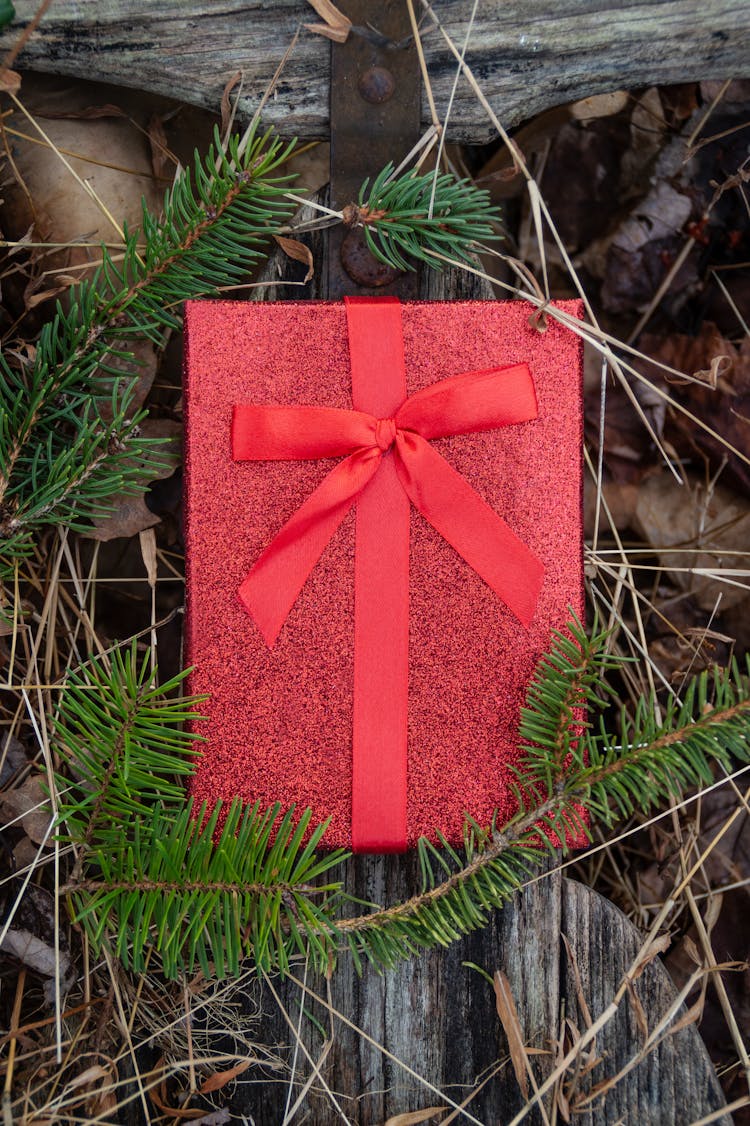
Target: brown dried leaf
x,y
148,552
157,139
131,515
45,295
705,356
90,113
221,1078
226,108
24,853
725,408
692,528
506,1010
13,755
34,952
90,1075
29,803
414,1117
599,105
299,252
158,1096
652,950
336,25
10,81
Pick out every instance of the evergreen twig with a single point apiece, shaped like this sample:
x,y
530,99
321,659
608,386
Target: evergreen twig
x,y
210,890
69,436
408,218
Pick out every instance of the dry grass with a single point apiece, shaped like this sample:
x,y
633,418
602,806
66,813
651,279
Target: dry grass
x,y
85,1042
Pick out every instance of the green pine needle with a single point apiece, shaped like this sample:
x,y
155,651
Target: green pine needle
x,y
211,890
69,436
413,218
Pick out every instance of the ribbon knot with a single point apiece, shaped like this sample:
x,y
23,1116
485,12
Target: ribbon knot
x,y
385,433
461,404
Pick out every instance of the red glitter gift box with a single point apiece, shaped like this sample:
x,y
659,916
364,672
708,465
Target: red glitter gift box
x,y
371,579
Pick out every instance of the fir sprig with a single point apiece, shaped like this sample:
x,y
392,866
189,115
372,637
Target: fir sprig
x,y
409,219
69,436
209,891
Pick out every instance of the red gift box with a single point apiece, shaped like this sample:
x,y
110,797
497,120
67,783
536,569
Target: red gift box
x,y
358,649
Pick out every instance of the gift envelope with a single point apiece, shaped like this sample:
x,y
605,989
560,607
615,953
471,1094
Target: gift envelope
x,y
383,528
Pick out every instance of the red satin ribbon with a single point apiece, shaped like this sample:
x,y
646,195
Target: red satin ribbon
x,y
387,458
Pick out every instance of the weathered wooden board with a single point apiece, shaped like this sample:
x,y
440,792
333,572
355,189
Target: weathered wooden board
x,y
437,1015
527,54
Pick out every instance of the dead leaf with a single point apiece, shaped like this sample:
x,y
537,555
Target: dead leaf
x,y
336,26
148,551
643,247
12,757
725,407
90,1075
215,1118
157,139
131,515
299,252
413,1117
707,356
697,534
221,1078
35,953
29,803
506,1010
10,81
89,113
158,1095
45,295
226,108
24,853
652,950
599,105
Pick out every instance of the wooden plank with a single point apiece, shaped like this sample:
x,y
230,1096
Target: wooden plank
x,y
434,1013
527,54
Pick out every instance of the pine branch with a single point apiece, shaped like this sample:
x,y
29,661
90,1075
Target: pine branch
x,y
69,439
407,218
212,890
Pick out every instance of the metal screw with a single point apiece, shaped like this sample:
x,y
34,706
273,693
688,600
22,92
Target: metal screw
x,y
376,85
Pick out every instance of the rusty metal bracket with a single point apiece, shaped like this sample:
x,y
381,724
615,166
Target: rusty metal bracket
x,y
375,117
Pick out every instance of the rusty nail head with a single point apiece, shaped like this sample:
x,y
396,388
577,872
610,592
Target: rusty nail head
x,y
376,85
361,265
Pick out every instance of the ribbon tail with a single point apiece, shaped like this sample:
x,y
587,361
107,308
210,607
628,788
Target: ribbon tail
x,y
479,535
273,584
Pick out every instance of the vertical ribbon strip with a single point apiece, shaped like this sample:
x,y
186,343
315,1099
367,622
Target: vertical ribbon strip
x,y
381,591
387,463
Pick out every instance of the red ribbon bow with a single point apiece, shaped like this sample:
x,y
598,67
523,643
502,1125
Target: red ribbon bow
x,y
387,459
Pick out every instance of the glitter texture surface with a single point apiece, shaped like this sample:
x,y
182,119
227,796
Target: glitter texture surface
x,y
280,721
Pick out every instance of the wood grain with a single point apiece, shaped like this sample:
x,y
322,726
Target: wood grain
x,y
527,54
